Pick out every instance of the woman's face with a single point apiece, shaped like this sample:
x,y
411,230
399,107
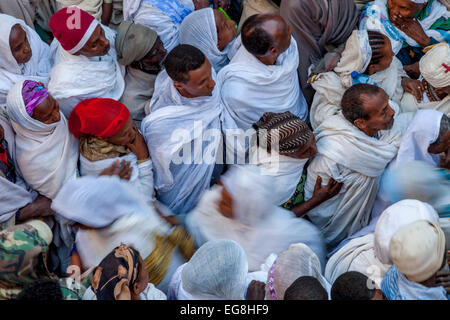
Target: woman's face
x,y
126,135
226,30
47,111
307,151
20,47
405,8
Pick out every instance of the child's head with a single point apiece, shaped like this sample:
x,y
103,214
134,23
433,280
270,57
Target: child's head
x,y
306,288
382,54
354,285
41,290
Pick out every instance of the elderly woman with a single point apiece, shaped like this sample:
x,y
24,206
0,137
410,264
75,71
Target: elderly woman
x,y
108,135
211,32
141,50
435,74
121,275
217,271
367,58
411,25
296,145
242,208
23,55
108,211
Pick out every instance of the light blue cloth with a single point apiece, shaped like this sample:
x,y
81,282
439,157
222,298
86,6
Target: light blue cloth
x,y
173,8
396,286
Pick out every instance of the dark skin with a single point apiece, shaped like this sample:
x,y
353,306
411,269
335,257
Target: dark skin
x,y
151,62
442,147
256,290
20,47
379,295
281,33
200,4
224,4
226,30
381,115
129,136
47,111
309,150
96,46
401,14
141,282
121,169
107,10
200,83
385,61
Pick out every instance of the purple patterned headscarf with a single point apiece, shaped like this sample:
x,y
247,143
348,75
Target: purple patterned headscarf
x,y
33,93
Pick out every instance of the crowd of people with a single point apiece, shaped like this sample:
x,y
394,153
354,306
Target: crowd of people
x,y
224,149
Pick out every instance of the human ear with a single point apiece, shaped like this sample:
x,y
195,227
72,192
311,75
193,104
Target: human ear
x,y
360,124
179,85
372,69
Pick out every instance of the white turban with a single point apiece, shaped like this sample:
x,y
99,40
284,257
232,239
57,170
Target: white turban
x,y
435,65
417,250
396,216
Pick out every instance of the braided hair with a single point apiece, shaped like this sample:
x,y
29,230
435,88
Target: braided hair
x,y
293,132
377,41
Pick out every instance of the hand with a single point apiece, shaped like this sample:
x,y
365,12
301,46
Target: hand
x,y
412,28
40,207
322,194
414,87
123,170
412,70
200,4
256,290
224,4
172,220
138,146
443,279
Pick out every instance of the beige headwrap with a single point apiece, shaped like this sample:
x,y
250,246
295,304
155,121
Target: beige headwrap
x,y
435,65
133,42
446,3
417,250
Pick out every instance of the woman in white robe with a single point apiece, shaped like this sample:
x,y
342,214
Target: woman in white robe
x,y
37,68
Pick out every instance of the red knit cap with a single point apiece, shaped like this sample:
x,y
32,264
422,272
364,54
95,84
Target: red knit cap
x,y
72,27
98,117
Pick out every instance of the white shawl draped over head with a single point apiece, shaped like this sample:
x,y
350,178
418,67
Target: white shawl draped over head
x,y
259,226
349,211
36,69
82,77
47,154
250,88
331,86
376,18
143,12
199,30
116,210
176,123
13,196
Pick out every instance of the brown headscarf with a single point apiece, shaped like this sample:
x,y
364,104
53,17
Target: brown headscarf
x,y
316,24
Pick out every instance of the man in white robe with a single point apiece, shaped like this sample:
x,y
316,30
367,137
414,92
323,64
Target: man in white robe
x,y
85,60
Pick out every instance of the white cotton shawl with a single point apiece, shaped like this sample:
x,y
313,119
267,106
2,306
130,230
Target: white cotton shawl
x,y
337,139
47,154
331,86
181,124
259,226
376,11
82,77
250,88
286,171
13,196
36,69
199,30
410,104
143,13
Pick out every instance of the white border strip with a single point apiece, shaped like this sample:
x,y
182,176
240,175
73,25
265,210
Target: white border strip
x,y
85,38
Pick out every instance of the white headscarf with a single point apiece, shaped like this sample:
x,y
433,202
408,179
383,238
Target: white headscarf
x,y
36,69
199,30
47,154
435,65
217,270
396,216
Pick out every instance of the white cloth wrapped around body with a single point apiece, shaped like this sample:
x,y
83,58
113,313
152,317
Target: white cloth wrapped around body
x,y
75,78
250,88
37,69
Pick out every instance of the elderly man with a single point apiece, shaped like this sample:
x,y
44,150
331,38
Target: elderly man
x,y
262,76
185,104
353,148
85,60
141,50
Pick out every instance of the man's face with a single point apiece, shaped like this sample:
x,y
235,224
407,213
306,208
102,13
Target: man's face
x,y
47,111
381,115
405,8
442,147
97,45
153,59
20,47
200,82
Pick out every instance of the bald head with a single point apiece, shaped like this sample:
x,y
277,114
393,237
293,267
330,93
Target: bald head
x,y
266,36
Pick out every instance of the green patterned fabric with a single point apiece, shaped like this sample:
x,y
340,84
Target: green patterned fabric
x,y
299,194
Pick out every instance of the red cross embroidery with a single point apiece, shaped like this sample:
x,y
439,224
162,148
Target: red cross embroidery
x,y
447,68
